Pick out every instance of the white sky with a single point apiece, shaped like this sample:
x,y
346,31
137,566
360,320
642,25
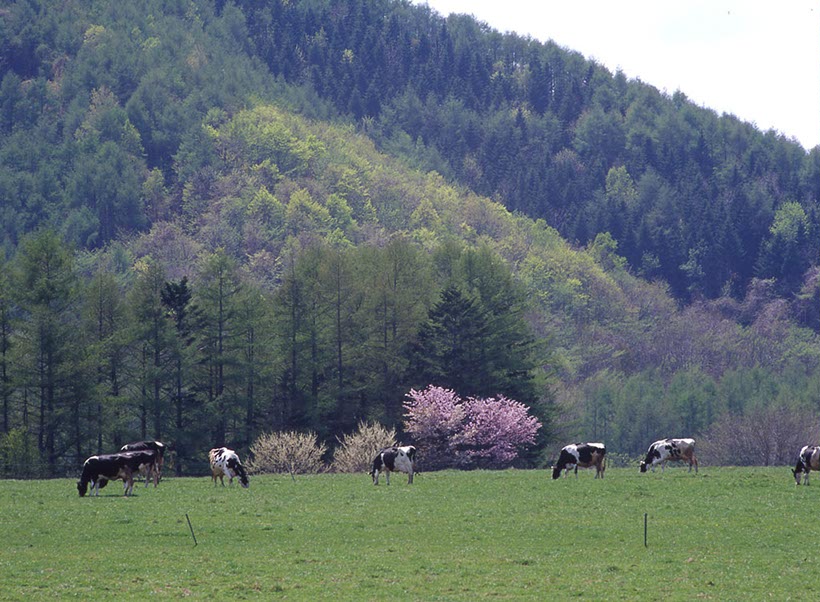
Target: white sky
x,y
756,59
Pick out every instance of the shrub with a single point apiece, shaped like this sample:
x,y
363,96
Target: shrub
x,y
494,430
434,416
287,452
484,433
357,450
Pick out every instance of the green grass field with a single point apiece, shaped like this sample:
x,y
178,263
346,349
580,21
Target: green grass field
x,y
725,534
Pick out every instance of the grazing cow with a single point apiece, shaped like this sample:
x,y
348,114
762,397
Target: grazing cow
x,y
98,470
670,450
390,459
808,460
157,447
581,455
225,463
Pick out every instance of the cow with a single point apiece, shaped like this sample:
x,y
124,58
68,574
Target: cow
x,y
158,447
670,450
808,460
398,459
225,463
581,455
98,470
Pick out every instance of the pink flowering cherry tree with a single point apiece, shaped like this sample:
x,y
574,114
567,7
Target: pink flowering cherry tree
x,y
451,432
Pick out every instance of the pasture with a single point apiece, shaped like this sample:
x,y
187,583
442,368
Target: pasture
x,y
724,534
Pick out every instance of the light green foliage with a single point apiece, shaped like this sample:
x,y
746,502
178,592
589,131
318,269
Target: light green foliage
x,y
303,214
790,221
724,534
268,134
620,187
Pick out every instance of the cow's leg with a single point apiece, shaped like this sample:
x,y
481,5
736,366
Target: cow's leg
x,y
806,477
410,477
387,476
576,471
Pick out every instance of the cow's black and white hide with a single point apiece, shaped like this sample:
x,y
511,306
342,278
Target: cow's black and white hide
x,y
98,470
159,448
808,460
670,450
225,463
581,455
394,459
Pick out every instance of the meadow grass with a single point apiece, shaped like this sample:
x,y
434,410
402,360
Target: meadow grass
x,y
724,534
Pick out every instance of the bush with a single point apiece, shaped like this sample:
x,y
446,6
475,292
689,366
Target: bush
x,y
474,433
357,450
494,430
287,452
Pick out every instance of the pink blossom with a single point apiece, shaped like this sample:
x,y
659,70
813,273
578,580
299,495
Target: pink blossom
x,y
477,432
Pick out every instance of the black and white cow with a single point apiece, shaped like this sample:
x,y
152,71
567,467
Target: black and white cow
x,y
158,447
670,450
394,459
808,460
98,470
581,455
225,463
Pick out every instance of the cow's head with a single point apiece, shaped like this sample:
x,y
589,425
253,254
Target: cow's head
x,y
556,471
651,456
82,487
243,477
798,470
236,466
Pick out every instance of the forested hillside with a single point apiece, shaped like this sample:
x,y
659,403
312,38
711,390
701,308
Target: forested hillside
x,y
224,219
703,202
